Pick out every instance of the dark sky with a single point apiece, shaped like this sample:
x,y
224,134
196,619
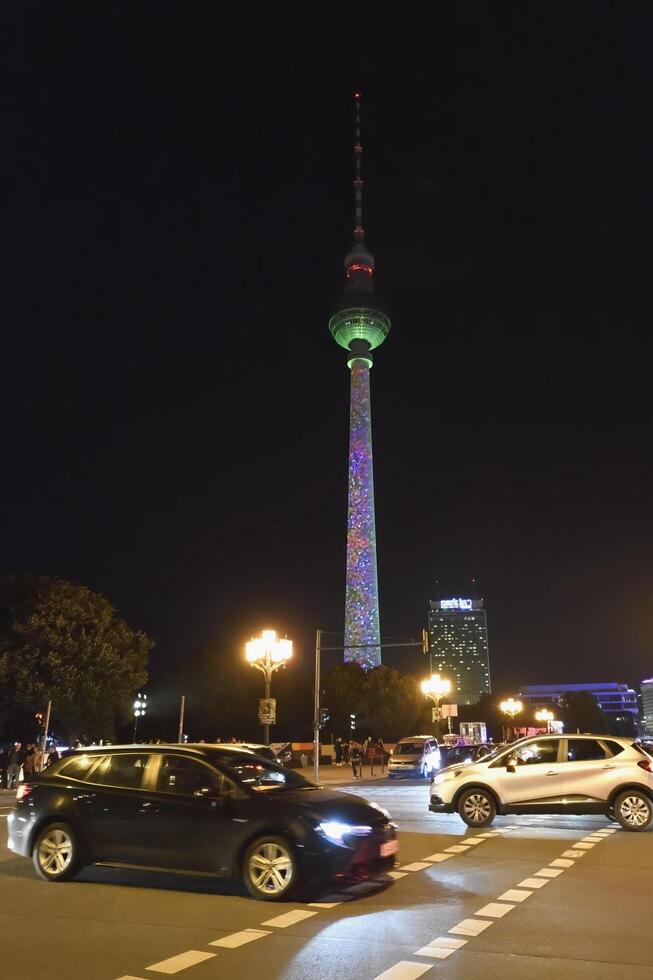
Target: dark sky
x,y
176,208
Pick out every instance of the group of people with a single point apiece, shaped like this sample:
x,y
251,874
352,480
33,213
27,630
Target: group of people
x,y
354,752
27,759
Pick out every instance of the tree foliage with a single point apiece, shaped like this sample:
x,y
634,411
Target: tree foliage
x,y
64,643
580,712
386,702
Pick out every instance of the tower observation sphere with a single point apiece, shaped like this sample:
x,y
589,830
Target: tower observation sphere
x,y
360,325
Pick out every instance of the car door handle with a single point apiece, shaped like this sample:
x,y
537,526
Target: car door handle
x,y
149,808
608,767
551,772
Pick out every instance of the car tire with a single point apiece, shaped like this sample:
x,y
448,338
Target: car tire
x,y
55,853
476,807
633,810
270,869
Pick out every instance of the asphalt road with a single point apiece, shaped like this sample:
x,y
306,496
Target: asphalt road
x,y
542,897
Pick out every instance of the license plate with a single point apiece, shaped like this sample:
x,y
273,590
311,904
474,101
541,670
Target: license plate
x,y
389,847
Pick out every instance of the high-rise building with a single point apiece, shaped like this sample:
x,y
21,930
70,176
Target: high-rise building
x,y
647,705
359,325
458,647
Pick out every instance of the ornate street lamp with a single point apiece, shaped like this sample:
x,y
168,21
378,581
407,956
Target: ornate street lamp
x,y
510,708
547,717
436,688
268,653
140,707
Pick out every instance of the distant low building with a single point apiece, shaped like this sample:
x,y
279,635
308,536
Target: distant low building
x,y
613,698
647,705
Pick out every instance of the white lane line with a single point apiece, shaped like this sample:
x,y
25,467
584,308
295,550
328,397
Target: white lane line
x,y
609,830
323,905
472,841
592,838
404,970
181,962
573,854
435,952
435,858
470,927
495,910
397,874
583,846
288,918
514,895
456,849
533,883
130,977
237,939
562,863
548,872
415,866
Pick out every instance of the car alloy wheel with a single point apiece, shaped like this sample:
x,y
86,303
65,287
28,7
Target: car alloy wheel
x,y
634,811
270,868
55,852
476,808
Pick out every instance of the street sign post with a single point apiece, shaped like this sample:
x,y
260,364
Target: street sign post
x,y
267,711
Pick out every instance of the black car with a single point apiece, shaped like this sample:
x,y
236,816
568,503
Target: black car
x,y
198,809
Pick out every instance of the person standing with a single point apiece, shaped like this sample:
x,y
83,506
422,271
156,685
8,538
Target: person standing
x,y
338,751
380,750
15,762
356,759
28,762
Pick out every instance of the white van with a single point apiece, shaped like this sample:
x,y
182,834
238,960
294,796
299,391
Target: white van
x,y
418,755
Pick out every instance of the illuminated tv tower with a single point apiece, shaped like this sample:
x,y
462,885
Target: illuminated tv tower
x,y
360,326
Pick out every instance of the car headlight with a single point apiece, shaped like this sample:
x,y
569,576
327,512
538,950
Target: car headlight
x,y
335,830
445,777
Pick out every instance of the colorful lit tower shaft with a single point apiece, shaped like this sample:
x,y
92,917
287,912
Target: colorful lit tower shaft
x,y
362,595
359,326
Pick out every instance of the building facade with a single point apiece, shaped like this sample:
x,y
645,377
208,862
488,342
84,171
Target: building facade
x,y
613,698
458,647
647,705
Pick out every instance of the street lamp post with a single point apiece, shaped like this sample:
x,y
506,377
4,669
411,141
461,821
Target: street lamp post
x,y
510,708
268,653
436,688
140,707
546,716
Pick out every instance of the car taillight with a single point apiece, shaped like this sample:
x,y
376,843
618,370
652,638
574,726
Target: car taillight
x,y
23,790
645,764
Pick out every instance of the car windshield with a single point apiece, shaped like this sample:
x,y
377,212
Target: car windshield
x,y
259,774
408,748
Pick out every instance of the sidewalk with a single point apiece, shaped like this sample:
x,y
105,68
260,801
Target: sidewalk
x,y
343,775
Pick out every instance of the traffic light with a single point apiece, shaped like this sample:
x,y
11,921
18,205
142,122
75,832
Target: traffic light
x,y
425,641
38,718
352,722
324,717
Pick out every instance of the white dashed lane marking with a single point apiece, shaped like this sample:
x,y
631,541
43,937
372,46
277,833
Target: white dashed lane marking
x,y
288,918
470,927
181,962
435,858
441,948
515,895
415,866
573,854
548,872
583,845
324,905
533,883
237,939
404,970
495,910
456,849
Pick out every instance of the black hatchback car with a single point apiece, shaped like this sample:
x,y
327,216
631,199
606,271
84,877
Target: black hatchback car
x,y
199,809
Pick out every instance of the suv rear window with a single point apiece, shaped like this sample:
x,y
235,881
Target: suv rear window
x,y
613,747
584,750
79,766
124,770
408,748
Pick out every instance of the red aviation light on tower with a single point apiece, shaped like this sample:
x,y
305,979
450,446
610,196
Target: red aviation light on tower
x,y
359,267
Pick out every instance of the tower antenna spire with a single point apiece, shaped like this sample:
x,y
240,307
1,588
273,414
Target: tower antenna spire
x,y
359,233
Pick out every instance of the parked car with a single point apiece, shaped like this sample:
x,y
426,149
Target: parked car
x,y
197,808
552,774
458,754
418,755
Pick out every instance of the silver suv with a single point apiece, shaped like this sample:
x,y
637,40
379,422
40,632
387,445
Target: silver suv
x,y
552,774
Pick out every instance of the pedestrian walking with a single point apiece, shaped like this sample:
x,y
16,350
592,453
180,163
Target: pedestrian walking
x,y
380,749
356,759
338,751
15,762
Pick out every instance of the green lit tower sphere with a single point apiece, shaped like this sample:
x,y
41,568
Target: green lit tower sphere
x,y
360,326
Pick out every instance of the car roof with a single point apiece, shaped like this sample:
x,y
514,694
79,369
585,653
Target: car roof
x,y
192,747
413,738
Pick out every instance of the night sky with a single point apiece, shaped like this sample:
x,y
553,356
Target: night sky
x,y
176,209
